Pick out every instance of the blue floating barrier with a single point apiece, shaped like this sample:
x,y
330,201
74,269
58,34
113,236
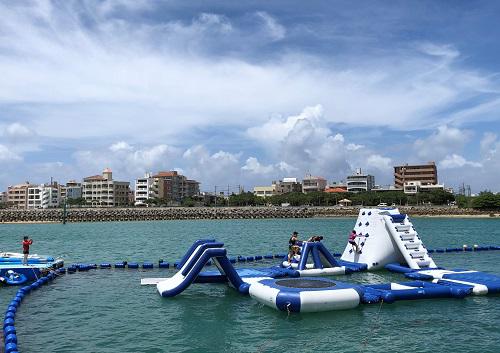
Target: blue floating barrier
x,y
9,330
176,264
258,257
337,254
430,251
250,258
11,338
61,270
133,265
10,347
147,265
241,259
268,256
233,260
105,265
120,265
440,250
71,269
12,309
92,266
8,322
467,249
10,315
164,265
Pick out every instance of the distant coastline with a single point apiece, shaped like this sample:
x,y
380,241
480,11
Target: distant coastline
x,y
191,213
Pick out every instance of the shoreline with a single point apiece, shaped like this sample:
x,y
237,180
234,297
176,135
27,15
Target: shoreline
x,y
77,215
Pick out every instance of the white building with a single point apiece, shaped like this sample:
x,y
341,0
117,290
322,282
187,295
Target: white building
x,y
144,189
43,196
103,191
73,190
412,187
360,182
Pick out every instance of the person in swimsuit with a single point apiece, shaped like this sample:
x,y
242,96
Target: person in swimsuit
x,y
293,248
352,241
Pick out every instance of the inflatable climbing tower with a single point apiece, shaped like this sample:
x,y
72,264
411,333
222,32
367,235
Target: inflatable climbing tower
x,y
387,236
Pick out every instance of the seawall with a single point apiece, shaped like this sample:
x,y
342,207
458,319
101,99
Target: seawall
x,y
179,213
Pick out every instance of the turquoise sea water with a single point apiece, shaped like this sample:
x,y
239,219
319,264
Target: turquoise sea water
x,y
108,310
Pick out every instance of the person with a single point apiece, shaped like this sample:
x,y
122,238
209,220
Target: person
x,y
352,241
315,238
26,248
293,248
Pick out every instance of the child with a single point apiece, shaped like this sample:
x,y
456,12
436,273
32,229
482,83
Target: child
x,y
293,248
26,249
352,240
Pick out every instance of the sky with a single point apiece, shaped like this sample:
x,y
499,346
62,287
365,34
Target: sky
x,y
234,93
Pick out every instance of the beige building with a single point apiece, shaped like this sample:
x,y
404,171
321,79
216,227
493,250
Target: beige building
x,y
264,191
17,195
287,185
172,186
313,184
103,191
425,174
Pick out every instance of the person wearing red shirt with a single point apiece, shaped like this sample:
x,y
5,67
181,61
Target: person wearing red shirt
x,y
26,249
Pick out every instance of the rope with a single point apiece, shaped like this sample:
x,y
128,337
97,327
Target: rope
x,y
373,329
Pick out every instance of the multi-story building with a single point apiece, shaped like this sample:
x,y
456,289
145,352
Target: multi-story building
x,y
313,184
286,185
144,189
412,187
3,197
173,186
264,191
103,191
72,190
426,174
43,196
17,195
360,182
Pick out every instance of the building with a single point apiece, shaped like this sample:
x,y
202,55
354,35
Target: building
x,y
286,185
17,195
143,189
43,196
173,186
103,191
3,197
264,191
360,182
313,184
426,174
72,190
412,187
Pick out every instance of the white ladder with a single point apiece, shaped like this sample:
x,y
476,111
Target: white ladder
x,y
409,243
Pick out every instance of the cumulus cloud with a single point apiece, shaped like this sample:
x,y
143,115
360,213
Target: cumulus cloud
x,y
7,155
376,161
275,30
120,146
442,142
17,131
457,161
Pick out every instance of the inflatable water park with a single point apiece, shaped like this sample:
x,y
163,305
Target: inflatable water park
x,y
385,239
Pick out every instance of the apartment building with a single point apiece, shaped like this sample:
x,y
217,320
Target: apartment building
x,y
103,191
313,184
43,196
286,185
3,197
17,195
359,182
173,186
412,187
264,191
72,190
144,189
426,174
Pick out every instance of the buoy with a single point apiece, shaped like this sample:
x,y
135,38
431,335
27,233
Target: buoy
x,y
9,330
11,339
120,265
250,258
268,256
133,265
164,265
147,265
10,348
105,265
258,257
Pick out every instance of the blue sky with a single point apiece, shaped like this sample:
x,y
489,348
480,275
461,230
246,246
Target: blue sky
x,y
243,93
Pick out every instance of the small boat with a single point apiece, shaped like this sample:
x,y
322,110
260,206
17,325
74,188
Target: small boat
x,y
14,257
12,278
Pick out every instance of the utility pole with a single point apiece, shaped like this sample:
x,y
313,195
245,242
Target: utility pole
x,y
215,193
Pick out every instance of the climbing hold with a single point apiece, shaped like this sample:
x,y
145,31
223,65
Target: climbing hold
x,y
367,224
360,224
369,213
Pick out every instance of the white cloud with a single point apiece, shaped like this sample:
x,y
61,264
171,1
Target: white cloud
x,y
120,146
275,30
354,147
379,162
456,161
17,131
252,165
441,143
488,142
446,50
7,155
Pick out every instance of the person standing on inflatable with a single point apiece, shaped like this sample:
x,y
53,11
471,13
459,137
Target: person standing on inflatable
x,y
352,241
26,249
293,248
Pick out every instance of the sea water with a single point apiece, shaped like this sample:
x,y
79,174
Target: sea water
x,y
108,310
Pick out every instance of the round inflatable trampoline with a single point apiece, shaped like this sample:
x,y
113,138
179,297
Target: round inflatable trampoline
x,y
306,294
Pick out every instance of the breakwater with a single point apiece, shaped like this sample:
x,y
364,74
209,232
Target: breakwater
x,y
179,213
